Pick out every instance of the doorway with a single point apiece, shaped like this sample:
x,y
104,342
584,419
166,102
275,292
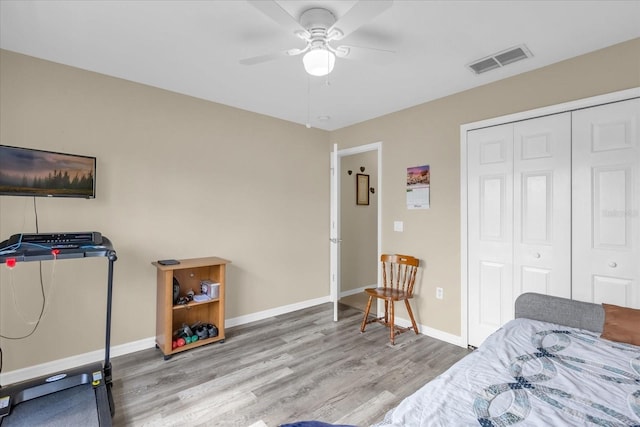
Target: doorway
x,y
358,223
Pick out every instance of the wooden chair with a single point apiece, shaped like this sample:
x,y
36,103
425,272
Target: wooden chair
x,y
398,278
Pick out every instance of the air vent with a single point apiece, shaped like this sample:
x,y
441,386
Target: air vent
x,y
500,59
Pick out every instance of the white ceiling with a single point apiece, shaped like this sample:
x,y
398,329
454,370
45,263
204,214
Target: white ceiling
x,y
194,48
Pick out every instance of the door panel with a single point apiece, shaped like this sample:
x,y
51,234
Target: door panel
x,y
536,210
493,278
334,234
613,290
611,196
490,245
606,199
519,213
492,207
542,205
536,280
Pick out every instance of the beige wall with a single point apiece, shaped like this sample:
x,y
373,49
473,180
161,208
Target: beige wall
x,y
430,134
179,177
358,224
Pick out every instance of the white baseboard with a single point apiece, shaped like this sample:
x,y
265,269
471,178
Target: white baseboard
x,y
261,315
433,333
443,336
356,291
59,365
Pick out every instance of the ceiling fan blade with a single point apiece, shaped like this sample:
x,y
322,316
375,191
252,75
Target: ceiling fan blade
x,y
369,54
361,13
272,56
274,11
263,58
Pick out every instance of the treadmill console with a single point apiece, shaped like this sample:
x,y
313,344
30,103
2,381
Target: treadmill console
x,y
49,246
68,240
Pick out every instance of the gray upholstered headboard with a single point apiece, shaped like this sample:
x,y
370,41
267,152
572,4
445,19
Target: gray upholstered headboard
x,y
577,314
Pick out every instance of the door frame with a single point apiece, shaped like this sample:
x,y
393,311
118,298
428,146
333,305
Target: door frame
x,y
524,115
334,278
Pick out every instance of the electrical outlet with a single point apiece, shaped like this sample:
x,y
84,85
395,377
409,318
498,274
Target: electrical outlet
x,y
439,293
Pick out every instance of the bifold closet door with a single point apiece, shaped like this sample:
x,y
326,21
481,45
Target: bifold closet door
x,y
606,204
490,230
542,206
519,213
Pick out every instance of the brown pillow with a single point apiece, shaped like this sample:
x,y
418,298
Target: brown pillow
x,y
621,324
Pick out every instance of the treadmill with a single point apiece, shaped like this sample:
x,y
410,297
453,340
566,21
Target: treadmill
x,y
78,396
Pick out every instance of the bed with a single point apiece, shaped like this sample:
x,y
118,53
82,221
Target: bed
x,y
547,367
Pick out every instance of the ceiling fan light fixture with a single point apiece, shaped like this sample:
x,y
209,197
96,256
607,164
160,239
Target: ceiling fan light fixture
x,y
319,62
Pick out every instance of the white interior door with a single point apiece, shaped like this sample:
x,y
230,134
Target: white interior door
x,y
542,206
519,216
490,230
606,200
334,232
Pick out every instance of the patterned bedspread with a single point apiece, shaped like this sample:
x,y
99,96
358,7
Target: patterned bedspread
x,y
532,373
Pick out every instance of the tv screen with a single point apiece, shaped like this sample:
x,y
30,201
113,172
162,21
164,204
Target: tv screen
x,y
31,172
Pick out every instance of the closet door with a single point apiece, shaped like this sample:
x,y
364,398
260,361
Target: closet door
x,y
519,216
606,204
542,206
490,229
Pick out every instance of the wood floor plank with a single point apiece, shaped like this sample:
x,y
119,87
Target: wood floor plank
x,y
293,367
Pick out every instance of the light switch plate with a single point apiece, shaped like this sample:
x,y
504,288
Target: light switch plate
x,y
398,226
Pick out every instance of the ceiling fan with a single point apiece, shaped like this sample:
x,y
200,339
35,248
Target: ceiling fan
x,y
318,27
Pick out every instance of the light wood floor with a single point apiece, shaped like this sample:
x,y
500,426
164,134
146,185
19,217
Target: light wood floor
x,y
294,367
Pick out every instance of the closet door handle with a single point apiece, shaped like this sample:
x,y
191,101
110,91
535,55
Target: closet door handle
x,y
536,255
613,264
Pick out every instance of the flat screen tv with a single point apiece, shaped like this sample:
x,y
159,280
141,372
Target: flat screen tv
x,y
31,172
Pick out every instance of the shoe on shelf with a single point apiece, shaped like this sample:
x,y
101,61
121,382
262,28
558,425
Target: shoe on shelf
x,y
212,330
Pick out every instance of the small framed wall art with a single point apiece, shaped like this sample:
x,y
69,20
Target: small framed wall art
x,y
418,187
362,189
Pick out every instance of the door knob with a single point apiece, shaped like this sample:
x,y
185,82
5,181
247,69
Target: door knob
x,y
536,255
613,264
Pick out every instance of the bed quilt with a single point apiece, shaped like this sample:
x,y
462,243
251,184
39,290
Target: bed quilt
x,y
532,373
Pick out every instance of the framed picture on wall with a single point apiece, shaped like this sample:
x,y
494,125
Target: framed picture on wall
x,y
362,189
418,187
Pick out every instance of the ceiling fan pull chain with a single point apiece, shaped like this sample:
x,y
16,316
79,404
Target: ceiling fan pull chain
x,y
308,101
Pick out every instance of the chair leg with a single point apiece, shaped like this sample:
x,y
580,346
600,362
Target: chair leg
x,y
413,321
392,326
386,312
366,314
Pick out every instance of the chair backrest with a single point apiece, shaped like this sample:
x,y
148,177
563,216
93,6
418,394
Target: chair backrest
x,y
399,272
